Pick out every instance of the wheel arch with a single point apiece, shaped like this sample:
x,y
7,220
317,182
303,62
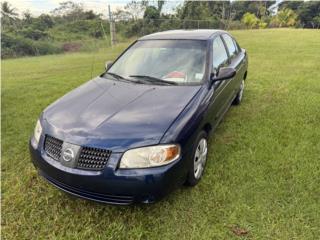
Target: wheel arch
x,y
207,127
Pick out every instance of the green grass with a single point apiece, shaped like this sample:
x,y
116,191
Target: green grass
x,y
263,173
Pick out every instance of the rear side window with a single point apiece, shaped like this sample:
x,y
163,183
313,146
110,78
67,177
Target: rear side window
x,y
230,45
220,56
236,45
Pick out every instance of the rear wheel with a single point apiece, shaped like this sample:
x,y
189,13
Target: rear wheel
x,y
239,96
200,152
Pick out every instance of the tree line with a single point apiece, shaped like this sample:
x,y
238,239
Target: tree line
x,y
70,27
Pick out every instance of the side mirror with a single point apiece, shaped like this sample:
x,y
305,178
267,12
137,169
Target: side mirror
x,y
223,74
108,65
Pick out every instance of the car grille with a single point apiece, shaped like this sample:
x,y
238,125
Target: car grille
x,y
53,147
89,158
93,158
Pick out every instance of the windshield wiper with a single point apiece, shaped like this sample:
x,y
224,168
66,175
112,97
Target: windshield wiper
x,y
119,77
154,79
116,76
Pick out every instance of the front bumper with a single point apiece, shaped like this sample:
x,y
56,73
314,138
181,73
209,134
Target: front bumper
x,y
111,185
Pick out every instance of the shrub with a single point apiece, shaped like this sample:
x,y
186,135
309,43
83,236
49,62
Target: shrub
x,y
134,27
262,24
284,18
15,46
44,48
236,25
250,20
89,27
71,47
34,34
19,46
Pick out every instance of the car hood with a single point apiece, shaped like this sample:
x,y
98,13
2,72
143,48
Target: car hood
x,y
117,115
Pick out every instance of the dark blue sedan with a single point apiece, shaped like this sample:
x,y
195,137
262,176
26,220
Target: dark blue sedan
x,y
140,129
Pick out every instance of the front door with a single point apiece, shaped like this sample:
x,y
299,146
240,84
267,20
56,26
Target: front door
x,y
219,91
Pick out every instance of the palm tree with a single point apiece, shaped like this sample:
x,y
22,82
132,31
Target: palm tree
x,y
8,13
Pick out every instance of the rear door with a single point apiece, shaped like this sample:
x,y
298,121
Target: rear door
x,y
236,57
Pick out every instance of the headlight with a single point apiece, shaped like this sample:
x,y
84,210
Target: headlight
x,y
150,156
37,132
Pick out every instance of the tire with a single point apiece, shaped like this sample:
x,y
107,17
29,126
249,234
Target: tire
x,y
199,159
239,96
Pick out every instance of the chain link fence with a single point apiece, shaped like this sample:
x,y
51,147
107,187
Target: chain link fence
x,y
140,27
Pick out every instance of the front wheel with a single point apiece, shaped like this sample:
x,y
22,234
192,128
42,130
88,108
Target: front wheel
x,y
239,96
200,152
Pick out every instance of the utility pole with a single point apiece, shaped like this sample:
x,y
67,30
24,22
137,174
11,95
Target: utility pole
x,y
112,28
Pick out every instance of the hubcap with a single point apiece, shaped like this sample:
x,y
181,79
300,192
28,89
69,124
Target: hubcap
x,y
200,158
241,90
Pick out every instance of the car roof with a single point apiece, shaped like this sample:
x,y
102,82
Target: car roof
x,y
198,34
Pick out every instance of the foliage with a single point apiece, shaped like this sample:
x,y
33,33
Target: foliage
x,y
316,21
308,14
151,13
250,20
71,23
262,24
8,10
198,10
49,33
73,11
122,15
236,25
294,5
258,8
8,13
284,18
14,46
32,33
263,167
136,8
43,22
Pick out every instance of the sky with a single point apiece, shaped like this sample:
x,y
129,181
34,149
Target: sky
x,y
37,7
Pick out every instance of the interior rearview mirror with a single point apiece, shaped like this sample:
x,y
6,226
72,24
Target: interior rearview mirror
x,y
224,73
108,65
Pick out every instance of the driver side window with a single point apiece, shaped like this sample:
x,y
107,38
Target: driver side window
x,y
220,56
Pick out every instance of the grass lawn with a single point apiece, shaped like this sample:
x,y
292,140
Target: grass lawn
x,y
263,172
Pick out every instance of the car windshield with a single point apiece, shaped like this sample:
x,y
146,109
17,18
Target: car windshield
x,y
162,61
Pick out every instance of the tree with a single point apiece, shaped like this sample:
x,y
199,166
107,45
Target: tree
x,y
67,8
250,20
45,21
294,5
7,10
316,21
151,13
8,13
284,18
194,10
214,14
258,8
27,17
308,13
136,8
90,15
122,15
160,5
